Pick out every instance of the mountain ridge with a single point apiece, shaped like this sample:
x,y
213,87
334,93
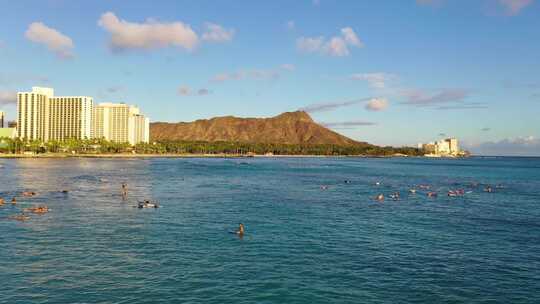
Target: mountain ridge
x,y
286,128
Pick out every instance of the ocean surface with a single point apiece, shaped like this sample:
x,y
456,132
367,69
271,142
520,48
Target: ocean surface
x,y
314,232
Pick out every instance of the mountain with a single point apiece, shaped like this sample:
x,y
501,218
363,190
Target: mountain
x,y
286,128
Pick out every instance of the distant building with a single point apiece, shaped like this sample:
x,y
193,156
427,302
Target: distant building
x,y
443,147
12,124
43,116
2,118
120,123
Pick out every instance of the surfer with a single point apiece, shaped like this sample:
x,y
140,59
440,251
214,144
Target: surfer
x,y
240,230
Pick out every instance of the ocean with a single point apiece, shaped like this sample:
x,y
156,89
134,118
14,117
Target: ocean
x,y
314,231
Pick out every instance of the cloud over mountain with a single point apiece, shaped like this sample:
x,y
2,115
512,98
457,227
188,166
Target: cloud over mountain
x,y
329,106
377,104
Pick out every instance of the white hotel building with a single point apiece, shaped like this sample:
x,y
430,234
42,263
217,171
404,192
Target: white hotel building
x,y
43,116
120,122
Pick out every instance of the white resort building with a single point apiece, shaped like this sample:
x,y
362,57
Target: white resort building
x,y
43,116
120,122
445,147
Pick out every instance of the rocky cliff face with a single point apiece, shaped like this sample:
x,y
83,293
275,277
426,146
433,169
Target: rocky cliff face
x,y
287,128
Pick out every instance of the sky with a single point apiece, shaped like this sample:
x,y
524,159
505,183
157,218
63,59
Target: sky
x,y
386,72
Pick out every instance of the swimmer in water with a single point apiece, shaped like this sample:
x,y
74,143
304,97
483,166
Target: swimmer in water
x,y
432,194
240,230
380,197
13,201
1,201
124,190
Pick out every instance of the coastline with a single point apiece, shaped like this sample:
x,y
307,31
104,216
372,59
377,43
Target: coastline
x,y
129,155
197,155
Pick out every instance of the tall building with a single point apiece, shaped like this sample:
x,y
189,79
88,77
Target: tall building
x,y
70,117
43,116
443,147
33,113
120,123
2,118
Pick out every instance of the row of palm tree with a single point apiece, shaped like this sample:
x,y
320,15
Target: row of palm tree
x,y
102,146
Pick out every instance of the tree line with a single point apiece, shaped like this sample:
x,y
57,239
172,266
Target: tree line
x,y
102,146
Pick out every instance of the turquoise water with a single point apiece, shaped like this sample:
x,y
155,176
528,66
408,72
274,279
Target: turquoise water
x,y
303,244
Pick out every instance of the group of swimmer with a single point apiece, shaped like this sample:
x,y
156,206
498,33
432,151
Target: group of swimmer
x,y
23,216
433,194
395,196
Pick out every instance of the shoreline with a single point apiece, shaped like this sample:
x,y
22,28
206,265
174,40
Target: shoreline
x,y
138,156
126,155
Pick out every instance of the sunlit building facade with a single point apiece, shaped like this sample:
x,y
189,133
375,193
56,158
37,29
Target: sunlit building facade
x,y
120,123
43,116
33,113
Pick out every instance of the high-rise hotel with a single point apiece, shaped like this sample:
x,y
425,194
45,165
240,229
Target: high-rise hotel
x,y
43,116
120,122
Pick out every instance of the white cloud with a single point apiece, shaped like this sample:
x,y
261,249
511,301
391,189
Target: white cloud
x,y
291,25
187,91
350,36
308,45
202,92
217,33
514,7
222,77
288,67
348,124
336,46
442,96
375,80
55,41
330,106
377,104
184,91
253,74
8,97
520,146
148,35
429,2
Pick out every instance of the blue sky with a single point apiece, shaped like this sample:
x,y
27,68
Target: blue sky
x,y
386,72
